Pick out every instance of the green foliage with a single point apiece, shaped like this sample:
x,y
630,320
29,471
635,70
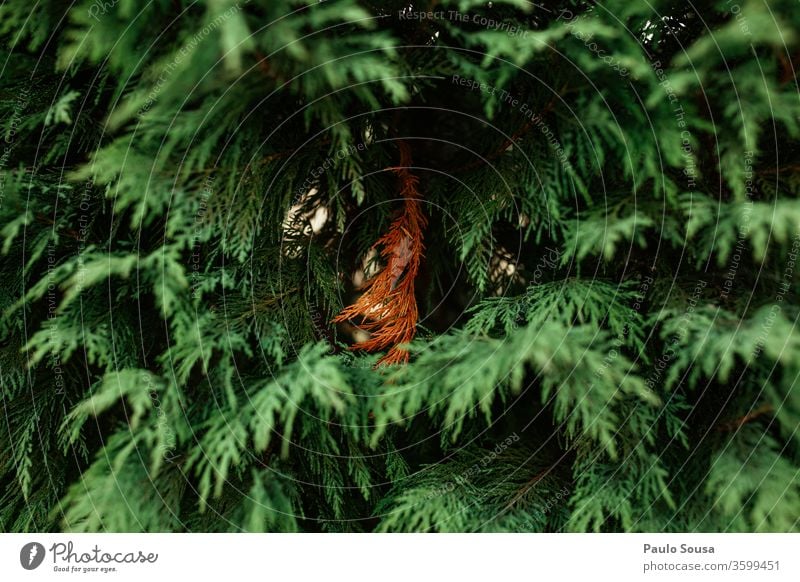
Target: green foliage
x,y
189,192
751,486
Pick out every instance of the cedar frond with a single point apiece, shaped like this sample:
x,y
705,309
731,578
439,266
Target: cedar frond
x,y
388,307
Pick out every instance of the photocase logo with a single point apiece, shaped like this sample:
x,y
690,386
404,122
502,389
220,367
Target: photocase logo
x,y
31,555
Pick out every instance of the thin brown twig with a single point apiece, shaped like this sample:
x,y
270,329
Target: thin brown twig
x,y
514,137
528,486
749,417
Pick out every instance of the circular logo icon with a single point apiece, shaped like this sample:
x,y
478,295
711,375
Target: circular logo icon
x,y
31,555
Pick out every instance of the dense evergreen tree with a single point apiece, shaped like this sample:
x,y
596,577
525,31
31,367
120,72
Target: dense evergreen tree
x,y
562,238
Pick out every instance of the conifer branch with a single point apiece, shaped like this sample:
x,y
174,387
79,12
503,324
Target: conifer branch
x,y
388,307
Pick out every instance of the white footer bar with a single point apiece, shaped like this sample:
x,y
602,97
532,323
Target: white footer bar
x,y
411,557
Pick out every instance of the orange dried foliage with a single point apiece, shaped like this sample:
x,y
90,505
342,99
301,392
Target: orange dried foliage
x,y
388,308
